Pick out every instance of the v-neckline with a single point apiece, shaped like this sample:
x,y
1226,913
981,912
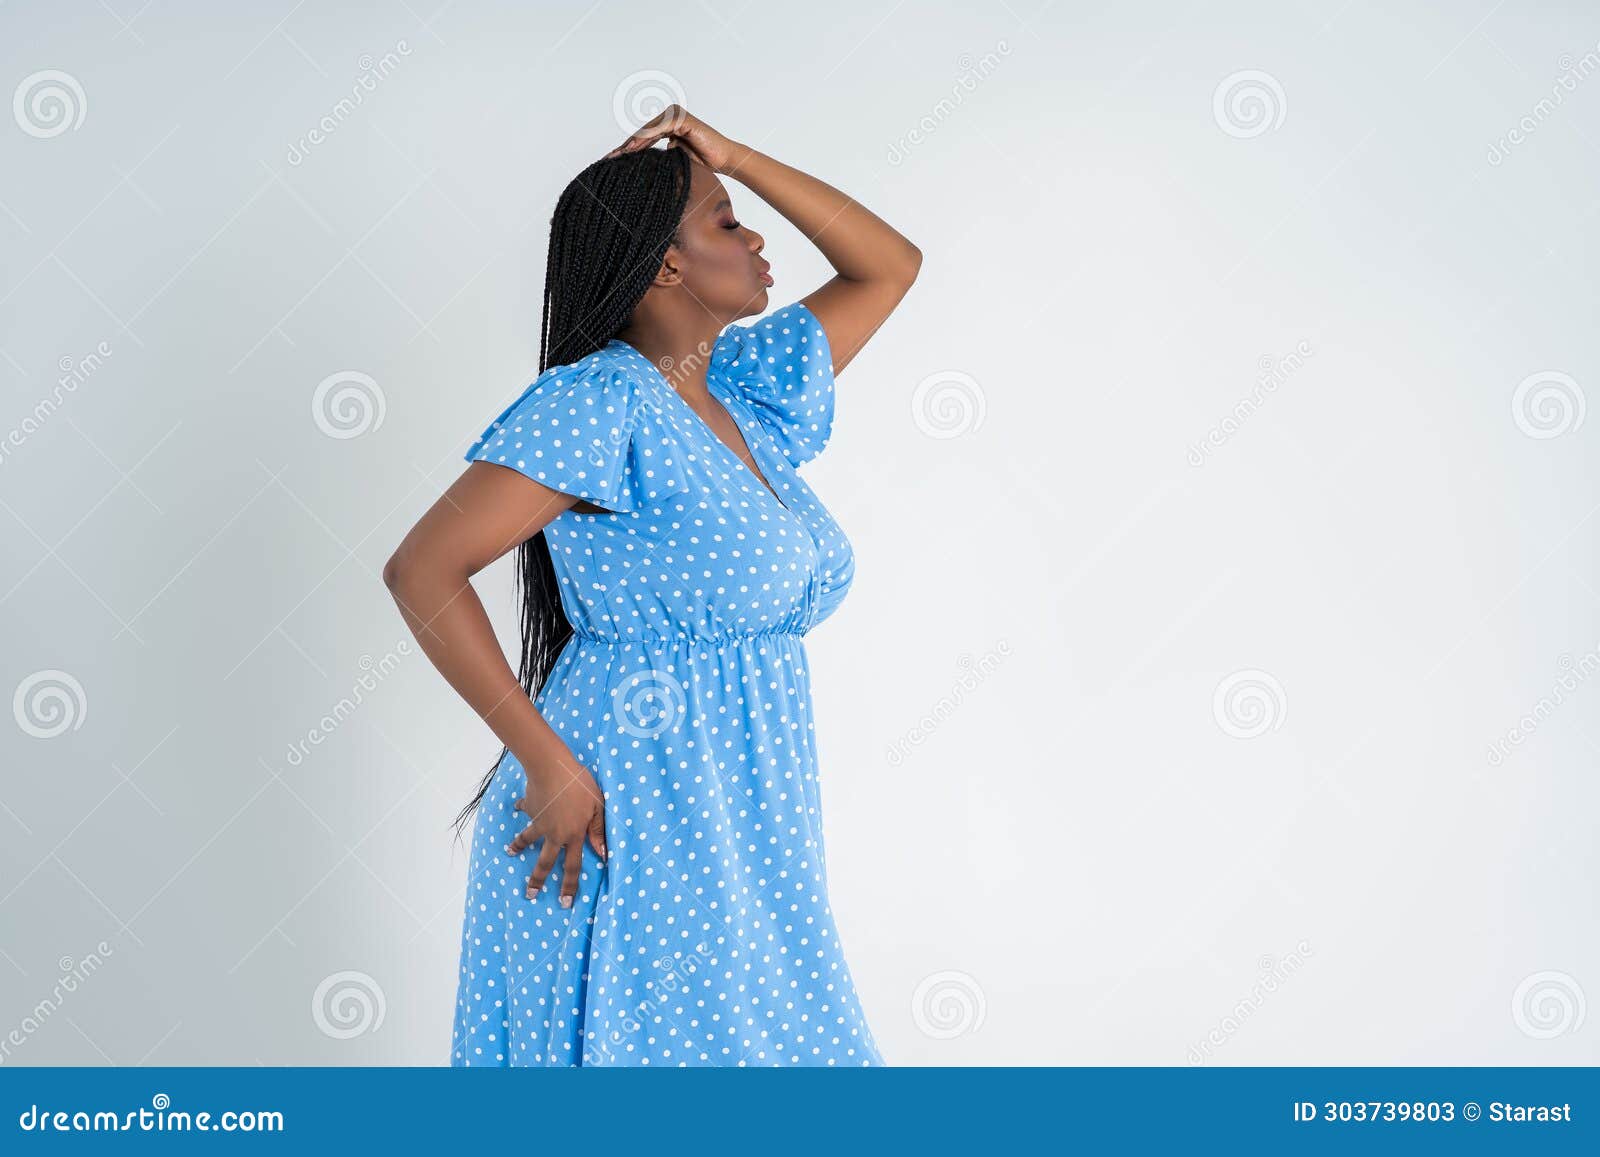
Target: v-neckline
x,y
756,476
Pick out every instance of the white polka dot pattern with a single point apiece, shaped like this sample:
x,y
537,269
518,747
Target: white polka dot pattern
x,y
707,937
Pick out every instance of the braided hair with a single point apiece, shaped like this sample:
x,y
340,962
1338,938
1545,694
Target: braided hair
x,y
608,237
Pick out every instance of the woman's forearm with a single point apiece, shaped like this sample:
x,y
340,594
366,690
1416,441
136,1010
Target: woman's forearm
x,y
858,243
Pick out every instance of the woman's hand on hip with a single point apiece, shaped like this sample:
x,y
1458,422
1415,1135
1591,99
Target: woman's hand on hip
x,y
564,806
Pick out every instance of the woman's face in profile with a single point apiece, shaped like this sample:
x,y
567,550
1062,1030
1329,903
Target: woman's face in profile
x,y
718,258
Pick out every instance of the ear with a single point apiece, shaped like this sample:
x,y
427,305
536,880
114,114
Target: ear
x,y
670,273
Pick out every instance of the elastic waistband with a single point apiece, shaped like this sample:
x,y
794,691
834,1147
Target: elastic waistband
x,y
686,637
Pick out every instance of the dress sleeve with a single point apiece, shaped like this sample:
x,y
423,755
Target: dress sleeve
x,y
783,366
588,429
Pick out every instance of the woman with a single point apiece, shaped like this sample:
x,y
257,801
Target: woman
x,y
647,881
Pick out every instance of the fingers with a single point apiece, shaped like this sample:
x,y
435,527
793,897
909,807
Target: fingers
x,y
597,832
569,876
669,122
541,867
522,841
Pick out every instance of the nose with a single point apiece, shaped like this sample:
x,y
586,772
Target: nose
x,y
757,242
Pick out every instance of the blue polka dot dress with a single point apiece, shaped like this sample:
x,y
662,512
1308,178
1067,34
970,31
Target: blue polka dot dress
x,y
706,937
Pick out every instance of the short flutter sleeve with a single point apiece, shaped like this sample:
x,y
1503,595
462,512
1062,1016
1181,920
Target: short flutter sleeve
x,y
783,366
590,429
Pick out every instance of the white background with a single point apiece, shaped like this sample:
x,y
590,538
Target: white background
x,y
1084,856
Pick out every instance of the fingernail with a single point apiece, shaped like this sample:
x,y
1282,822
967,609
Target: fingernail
x,y
566,901
529,891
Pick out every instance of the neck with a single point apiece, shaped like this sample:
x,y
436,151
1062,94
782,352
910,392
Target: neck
x,y
680,348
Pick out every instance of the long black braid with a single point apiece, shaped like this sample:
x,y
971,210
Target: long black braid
x,y
608,236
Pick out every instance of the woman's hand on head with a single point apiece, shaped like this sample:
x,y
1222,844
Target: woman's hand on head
x,y
682,129
564,806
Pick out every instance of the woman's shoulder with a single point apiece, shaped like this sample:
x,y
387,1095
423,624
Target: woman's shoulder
x,y
782,365
585,427
791,334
